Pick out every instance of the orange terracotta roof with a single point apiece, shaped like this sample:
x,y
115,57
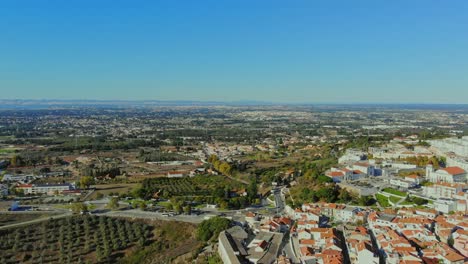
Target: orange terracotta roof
x,y
335,174
454,170
305,251
362,164
309,242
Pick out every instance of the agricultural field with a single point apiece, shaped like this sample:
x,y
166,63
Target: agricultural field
x,y
112,189
78,239
7,150
170,187
195,186
173,242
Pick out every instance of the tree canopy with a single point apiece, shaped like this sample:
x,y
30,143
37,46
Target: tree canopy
x,y
211,228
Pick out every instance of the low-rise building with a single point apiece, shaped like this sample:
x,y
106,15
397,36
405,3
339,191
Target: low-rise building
x,y
44,188
230,250
402,183
360,247
445,205
444,190
175,174
18,178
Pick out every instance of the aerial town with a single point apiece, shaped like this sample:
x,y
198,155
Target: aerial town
x,y
234,132
233,184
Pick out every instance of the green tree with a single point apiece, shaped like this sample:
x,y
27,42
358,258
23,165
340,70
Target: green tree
x,y
344,196
86,181
78,207
212,158
187,209
16,161
211,228
113,203
450,241
142,205
177,207
99,195
252,190
225,168
366,201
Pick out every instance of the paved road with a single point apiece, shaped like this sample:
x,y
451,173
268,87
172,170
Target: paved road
x,y
54,216
136,213
289,252
279,202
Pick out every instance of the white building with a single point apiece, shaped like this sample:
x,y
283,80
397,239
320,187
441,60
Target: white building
x,y
346,174
228,249
399,165
44,188
365,255
413,178
402,183
443,190
352,155
456,145
18,178
175,174
365,167
445,205
449,174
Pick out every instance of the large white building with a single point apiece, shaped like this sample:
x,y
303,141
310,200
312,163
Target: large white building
x,y
402,183
443,190
449,174
352,155
445,205
455,149
44,188
18,178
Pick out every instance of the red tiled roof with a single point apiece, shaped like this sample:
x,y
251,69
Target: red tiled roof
x,y
335,174
307,242
263,244
454,170
250,214
362,164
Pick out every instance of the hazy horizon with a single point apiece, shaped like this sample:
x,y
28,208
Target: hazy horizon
x,y
213,102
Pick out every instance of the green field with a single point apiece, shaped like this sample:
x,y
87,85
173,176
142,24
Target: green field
x,y
395,192
7,151
383,200
394,199
113,188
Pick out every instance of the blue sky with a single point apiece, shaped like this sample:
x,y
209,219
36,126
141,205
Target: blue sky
x,y
281,51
